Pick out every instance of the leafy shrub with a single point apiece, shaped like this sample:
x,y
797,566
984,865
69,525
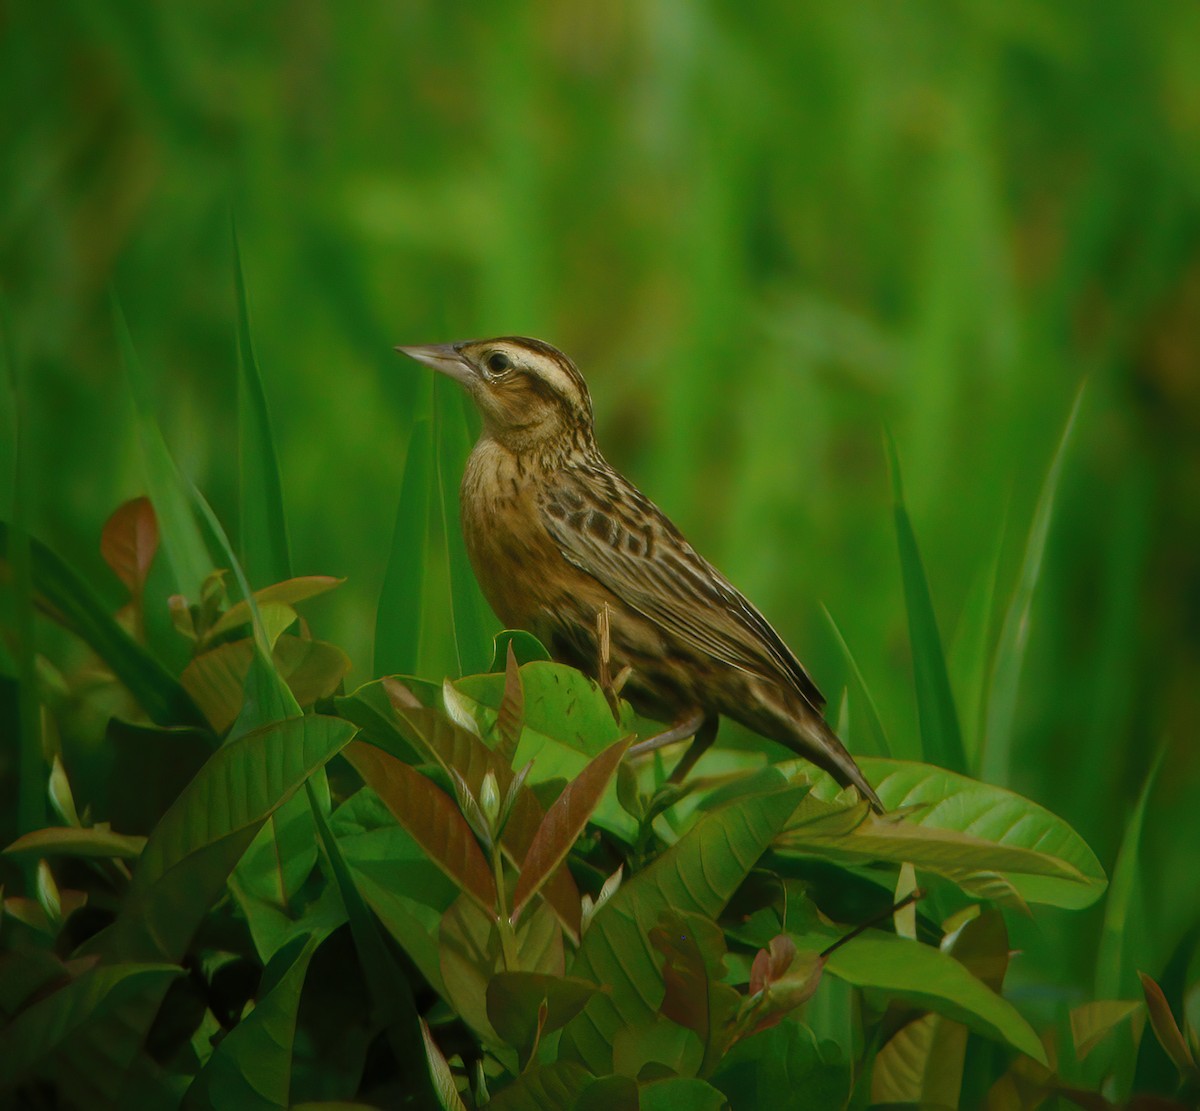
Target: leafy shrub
x,y
462,892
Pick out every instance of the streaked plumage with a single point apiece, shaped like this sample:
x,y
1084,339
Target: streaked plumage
x,y
554,534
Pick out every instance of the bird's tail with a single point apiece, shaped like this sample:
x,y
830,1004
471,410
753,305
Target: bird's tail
x,y
827,751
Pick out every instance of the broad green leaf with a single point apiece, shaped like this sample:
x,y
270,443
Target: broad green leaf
x,y
959,828
262,524
40,1028
878,733
1092,1022
181,537
431,818
921,1064
191,852
785,1069
681,1093
474,625
286,592
390,991
216,679
526,647
1114,958
552,1087
941,738
402,597
74,841
514,1000
62,594
251,1067
564,822
995,762
931,979
696,875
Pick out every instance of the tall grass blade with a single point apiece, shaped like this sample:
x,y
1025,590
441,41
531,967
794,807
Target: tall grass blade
x,y
186,551
941,738
262,527
996,757
401,601
1115,972
879,741
473,625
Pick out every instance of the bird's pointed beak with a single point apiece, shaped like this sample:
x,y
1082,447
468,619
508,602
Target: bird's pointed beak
x,y
444,358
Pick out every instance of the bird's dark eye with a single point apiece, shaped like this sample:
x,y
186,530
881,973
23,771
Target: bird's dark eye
x,y
499,362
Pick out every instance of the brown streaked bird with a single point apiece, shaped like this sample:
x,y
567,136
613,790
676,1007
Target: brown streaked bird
x,y
555,535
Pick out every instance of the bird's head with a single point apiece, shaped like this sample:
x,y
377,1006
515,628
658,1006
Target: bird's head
x,y
531,396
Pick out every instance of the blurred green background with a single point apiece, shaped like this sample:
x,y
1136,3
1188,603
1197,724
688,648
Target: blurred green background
x,y
764,232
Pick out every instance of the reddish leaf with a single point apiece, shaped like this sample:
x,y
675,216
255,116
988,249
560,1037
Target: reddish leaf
x,y
511,717
564,821
771,963
1166,1029
129,541
430,732
430,816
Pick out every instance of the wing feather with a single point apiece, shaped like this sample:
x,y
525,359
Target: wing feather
x,y
629,546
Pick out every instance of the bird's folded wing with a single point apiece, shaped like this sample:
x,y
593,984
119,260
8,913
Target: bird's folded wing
x,y
629,546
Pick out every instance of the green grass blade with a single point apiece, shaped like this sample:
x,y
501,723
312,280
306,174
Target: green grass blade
x,y
941,738
390,991
996,757
474,625
398,615
31,775
1116,975
970,652
181,537
879,741
262,527
61,591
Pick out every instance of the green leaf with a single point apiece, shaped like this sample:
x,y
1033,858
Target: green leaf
x,y
1114,963
34,1033
996,753
941,738
402,597
251,1066
552,1087
681,1093
514,1000
878,733
431,818
287,592
60,592
697,875
184,544
262,525
73,841
390,991
959,828
474,625
932,980
191,852
783,1068
564,822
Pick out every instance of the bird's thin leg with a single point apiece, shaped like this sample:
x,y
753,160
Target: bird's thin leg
x,y
685,727
704,737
